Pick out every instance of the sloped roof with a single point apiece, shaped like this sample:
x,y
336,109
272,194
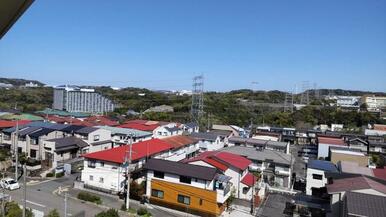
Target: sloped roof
x,y
41,132
322,165
9,124
126,131
139,151
204,136
67,143
263,155
355,183
139,126
354,168
180,141
331,141
359,204
380,173
86,130
182,169
222,160
249,179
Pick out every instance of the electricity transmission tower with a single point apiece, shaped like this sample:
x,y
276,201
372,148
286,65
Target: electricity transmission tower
x,y
305,98
289,102
197,108
316,91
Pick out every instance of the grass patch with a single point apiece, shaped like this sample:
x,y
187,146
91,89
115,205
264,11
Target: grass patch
x,y
89,197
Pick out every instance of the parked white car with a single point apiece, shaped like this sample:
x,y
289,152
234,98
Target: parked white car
x,y
9,183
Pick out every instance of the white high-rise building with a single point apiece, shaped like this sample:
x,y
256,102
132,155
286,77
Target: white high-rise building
x,y
76,99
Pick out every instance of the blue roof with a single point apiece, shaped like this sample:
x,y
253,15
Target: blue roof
x,y
322,165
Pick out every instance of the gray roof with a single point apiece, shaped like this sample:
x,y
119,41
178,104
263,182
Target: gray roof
x,y
126,131
41,132
172,129
182,169
191,125
359,204
67,143
28,130
257,155
326,166
204,136
257,142
86,130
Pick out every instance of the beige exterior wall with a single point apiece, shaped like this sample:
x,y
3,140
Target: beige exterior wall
x,y
361,160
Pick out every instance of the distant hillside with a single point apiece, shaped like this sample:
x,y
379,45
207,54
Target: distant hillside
x,y
19,82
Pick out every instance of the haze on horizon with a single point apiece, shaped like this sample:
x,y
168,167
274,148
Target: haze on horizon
x,y
162,45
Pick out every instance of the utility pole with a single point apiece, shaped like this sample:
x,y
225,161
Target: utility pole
x,y
16,149
253,194
24,189
128,162
2,199
65,204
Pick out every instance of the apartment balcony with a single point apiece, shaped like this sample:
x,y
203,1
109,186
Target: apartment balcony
x,y
224,193
223,187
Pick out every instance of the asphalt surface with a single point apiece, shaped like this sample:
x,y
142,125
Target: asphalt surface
x,y
43,197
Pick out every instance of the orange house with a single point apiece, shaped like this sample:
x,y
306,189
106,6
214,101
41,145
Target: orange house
x,y
189,188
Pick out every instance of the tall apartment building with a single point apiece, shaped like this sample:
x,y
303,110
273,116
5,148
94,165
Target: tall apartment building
x,y
76,99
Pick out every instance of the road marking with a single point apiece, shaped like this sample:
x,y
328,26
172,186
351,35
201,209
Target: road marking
x,y
36,204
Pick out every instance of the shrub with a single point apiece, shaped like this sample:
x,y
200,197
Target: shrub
x,y
142,212
50,175
89,197
58,175
108,213
53,213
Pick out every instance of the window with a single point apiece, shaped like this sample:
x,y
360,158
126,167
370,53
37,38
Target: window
x,y
96,137
102,164
101,180
33,153
91,178
201,201
159,133
158,174
183,199
317,176
91,164
185,179
157,193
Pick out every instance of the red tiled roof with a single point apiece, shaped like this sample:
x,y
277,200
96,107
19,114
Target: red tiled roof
x,y
139,151
380,173
222,160
355,183
249,179
9,124
216,164
142,127
101,120
332,141
180,141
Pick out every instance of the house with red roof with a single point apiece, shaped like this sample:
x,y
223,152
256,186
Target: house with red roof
x,y
105,170
324,142
232,165
184,147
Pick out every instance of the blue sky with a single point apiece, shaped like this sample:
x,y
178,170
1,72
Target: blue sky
x,y
163,44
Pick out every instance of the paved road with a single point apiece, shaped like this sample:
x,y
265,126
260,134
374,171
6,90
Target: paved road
x,y
40,197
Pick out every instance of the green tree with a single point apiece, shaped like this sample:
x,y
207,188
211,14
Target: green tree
x,y
53,213
12,209
108,213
